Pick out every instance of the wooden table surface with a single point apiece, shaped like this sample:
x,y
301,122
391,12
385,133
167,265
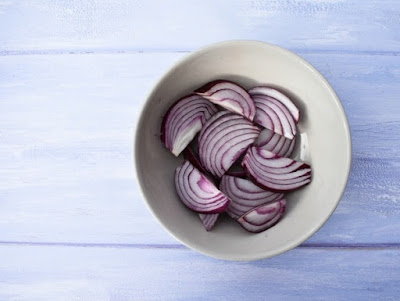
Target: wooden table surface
x,y
73,76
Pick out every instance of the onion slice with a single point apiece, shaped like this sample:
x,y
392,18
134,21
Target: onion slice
x,y
282,98
230,96
208,220
197,192
245,195
223,139
275,143
263,217
273,115
190,155
184,120
273,172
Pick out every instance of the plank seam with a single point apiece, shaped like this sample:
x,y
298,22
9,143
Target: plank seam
x,y
355,246
166,51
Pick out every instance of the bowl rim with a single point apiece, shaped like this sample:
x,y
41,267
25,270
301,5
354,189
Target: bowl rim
x,y
292,244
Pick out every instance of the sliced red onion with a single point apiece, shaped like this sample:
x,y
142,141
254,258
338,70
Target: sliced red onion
x,y
223,139
273,115
184,120
282,98
290,149
229,96
273,172
197,192
281,166
263,217
245,195
275,143
190,155
208,220
218,122
275,103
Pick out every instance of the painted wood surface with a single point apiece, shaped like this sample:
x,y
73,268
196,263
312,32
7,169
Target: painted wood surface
x,y
84,273
73,76
349,25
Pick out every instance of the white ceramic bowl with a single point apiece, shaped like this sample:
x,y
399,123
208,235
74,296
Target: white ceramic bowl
x,y
324,142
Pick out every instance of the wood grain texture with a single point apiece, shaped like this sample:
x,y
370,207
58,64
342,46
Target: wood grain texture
x,y
66,124
92,25
163,274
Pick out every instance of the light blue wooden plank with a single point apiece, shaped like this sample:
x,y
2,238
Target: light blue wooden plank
x,y
54,273
350,25
66,123
66,126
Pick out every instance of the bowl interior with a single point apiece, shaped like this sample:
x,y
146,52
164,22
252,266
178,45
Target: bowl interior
x,y
323,142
